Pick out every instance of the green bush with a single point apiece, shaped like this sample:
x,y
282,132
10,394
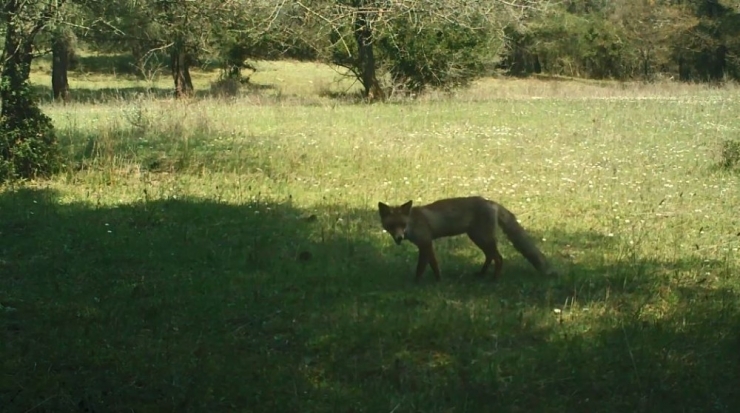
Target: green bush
x,y
443,55
415,55
28,144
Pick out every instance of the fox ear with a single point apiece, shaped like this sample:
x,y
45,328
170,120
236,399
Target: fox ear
x,y
406,208
384,209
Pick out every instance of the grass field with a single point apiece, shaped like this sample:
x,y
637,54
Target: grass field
x,y
165,270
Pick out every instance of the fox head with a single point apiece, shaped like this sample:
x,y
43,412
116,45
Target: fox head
x,y
395,219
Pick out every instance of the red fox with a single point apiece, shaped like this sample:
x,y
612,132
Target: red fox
x,y
475,216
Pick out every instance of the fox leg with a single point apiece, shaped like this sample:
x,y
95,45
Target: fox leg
x,y
433,262
426,256
487,244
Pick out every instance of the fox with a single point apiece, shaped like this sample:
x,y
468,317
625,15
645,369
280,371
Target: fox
x,y
475,216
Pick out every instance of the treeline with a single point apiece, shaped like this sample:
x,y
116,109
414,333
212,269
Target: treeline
x,y
409,45
690,40
390,46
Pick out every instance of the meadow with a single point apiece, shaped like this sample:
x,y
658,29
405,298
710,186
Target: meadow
x,y
225,254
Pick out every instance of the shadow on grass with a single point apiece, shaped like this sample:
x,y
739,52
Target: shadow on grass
x,y
198,305
127,64
107,94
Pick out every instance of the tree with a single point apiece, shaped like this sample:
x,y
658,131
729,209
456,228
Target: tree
x,y
27,140
418,43
61,36
708,49
258,30
650,29
183,33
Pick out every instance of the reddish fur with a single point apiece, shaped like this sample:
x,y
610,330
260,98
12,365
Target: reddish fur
x,y
475,216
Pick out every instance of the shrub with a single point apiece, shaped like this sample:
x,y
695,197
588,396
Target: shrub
x,y
28,144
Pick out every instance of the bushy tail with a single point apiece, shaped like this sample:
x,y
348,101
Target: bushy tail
x,y
522,242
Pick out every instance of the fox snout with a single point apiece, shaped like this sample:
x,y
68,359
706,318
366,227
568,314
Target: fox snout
x,y
398,234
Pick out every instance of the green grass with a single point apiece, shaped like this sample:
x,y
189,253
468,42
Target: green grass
x,y
163,270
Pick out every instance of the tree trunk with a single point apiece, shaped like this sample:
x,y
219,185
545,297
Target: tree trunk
x,y
180,65
364,38
61,52
684,71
